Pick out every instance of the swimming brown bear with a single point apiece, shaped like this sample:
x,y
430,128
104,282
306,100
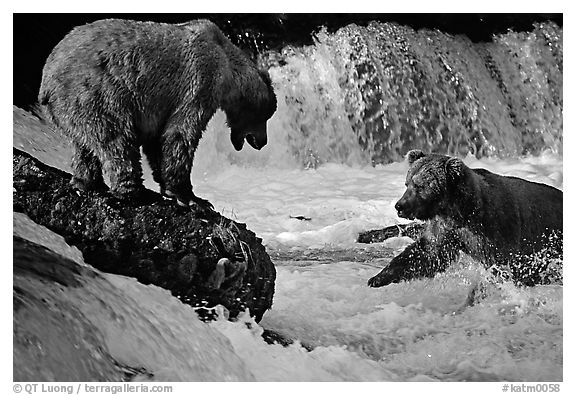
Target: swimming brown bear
x,y
495,219
115,85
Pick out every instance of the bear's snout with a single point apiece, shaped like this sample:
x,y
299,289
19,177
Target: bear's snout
x,y
258,136
399,206
403,208
257,142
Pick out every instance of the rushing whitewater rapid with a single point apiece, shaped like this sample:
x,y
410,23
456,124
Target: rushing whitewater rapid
x,y
420,330
349,107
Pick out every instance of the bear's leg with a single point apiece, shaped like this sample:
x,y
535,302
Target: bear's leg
x,y
121,161
175,166
86,169
424,258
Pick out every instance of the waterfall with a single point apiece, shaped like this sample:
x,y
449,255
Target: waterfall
x,y
367,95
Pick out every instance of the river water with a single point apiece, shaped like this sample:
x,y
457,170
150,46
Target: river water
x,y
349,107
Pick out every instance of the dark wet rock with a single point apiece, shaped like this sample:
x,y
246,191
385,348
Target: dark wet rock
x,y
151,239
272,337
412,230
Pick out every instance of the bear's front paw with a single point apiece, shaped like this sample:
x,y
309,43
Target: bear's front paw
x,y
183,199
385,277
188,199
201,202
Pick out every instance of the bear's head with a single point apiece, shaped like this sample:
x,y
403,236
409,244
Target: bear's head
x,y
430,185
248,116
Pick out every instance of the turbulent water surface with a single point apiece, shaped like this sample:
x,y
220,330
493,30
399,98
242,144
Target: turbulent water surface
x,y
350,107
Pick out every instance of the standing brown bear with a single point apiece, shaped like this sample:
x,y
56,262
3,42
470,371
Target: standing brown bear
x,y
501,221
115,85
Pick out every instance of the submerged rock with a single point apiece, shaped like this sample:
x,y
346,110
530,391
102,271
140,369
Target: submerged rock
x,y
202,257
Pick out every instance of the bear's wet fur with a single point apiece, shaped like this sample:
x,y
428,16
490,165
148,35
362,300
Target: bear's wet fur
x,y
496,219
114,85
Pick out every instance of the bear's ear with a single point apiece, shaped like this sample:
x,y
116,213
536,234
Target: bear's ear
x,y
414,155
454,168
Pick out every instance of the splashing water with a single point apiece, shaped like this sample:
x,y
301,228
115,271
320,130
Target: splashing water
x,y
458,326
363,96
367,95
349,105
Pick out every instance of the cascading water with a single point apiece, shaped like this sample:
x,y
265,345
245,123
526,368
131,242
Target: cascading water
x,y
369,94
353,101
400,89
